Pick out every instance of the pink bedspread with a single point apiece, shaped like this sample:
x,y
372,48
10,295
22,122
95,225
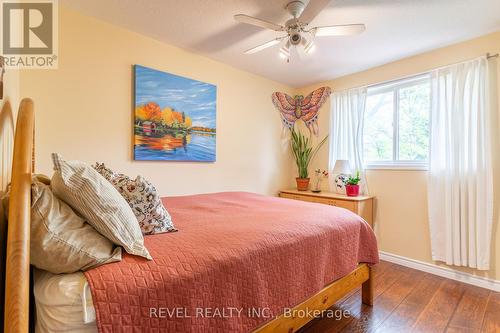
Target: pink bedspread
x,y
238,259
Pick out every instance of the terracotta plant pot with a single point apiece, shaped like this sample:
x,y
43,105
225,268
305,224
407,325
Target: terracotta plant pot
x,y
352,190
302,184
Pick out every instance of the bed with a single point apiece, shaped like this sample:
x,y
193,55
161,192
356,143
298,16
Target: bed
x,y
251,260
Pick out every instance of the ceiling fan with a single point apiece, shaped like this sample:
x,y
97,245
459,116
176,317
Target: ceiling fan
x,y
299,37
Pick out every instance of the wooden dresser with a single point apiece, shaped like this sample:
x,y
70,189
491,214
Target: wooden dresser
x,y
361,205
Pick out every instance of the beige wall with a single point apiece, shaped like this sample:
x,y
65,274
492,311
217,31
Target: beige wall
x,y
401,214
84,111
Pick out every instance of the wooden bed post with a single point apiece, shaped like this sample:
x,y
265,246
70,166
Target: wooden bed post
x,y
367,289
17,277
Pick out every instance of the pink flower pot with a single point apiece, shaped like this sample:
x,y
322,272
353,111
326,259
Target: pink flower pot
x,y
352,190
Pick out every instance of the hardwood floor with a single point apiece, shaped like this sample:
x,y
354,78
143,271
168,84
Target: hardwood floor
x,y
407,300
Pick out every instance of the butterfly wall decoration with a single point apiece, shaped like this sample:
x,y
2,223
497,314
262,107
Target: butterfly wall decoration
x,y
298,107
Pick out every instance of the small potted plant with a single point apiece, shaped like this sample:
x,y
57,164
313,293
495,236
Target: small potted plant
x,y
352,186
304,153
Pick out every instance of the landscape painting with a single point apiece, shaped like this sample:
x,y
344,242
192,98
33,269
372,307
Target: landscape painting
x,y
175,117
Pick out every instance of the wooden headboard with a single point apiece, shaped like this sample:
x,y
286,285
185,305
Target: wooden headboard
x,y
16,248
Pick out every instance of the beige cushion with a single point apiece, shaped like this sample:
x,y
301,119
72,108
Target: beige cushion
x,y
41,178
61,241
95,199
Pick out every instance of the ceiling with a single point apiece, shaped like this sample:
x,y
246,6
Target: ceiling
x,y
395,29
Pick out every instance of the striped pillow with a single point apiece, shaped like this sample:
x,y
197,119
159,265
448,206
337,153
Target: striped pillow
x,y
95,199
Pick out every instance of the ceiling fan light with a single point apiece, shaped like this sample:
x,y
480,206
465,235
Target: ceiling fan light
x,y
284,52
310,47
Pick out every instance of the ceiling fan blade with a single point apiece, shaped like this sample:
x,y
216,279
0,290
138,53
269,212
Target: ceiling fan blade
x,y
296,53
339,30
312,10
263,46
258,22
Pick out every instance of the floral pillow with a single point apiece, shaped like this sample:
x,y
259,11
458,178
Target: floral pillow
x,y
143,198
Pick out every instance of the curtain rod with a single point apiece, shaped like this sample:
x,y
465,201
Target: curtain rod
x,y
371,85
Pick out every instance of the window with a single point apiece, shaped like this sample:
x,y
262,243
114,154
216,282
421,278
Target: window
x,y
396,124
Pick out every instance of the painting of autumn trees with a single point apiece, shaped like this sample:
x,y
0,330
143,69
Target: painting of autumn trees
x,y
175,117
168,117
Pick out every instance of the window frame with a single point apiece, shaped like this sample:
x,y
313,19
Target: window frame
x,y
394,87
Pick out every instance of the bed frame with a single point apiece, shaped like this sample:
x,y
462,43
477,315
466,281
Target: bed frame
x,y
16,248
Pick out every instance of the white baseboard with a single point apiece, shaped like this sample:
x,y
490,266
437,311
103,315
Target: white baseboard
x,y
442,271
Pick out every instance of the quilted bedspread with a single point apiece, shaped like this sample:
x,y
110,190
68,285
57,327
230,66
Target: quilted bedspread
x,y
238,260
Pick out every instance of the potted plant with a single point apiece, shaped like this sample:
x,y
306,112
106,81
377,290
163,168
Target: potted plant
x,y
303,153
352,186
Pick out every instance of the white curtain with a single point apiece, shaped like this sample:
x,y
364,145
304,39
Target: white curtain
x,y
460,171
346,132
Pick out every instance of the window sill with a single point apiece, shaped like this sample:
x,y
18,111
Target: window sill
x,y
397,166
